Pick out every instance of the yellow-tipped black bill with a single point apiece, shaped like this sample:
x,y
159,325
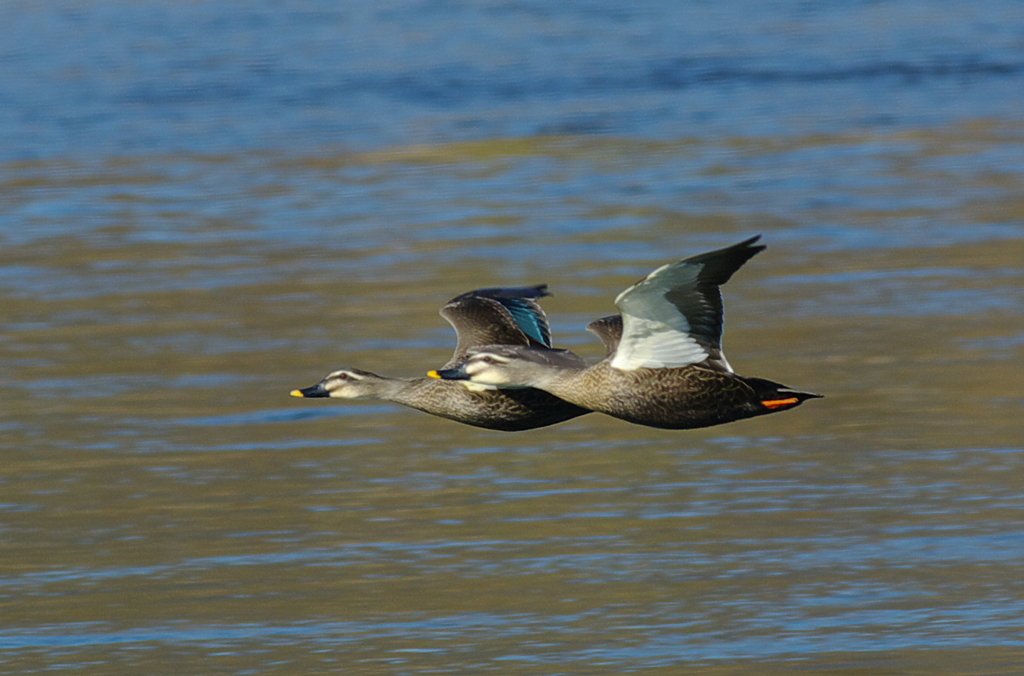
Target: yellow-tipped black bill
x,y
457,373
317,390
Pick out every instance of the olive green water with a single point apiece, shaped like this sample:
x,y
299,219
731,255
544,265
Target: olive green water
x,y
167,508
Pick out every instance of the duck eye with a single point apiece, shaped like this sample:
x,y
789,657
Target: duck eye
x,y
487,359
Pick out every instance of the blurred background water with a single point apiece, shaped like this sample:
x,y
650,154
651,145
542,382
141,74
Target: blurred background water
x,y
207,204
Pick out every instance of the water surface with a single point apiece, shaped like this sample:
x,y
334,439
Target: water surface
x,y
178,254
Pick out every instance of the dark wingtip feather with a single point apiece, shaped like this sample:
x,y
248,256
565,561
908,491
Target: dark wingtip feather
x,y
500,293
720,264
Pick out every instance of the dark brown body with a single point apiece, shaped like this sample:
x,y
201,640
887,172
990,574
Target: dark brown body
x,y
673,398
503,410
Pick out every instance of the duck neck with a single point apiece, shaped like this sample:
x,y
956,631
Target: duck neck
x,y
554,380
584,388
398,390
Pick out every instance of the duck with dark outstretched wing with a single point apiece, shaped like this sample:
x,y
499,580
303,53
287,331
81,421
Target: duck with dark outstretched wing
x,y
509,316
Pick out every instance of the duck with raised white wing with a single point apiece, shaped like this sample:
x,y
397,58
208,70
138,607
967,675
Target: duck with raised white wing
x,y
668,370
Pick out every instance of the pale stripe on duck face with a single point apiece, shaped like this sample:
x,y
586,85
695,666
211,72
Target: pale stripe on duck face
x,y
345,383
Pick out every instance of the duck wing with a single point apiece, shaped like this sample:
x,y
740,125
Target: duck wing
x,y
673,317
521,303
609,330
497,316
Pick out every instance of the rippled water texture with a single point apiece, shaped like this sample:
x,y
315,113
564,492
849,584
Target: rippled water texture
x,y
206,205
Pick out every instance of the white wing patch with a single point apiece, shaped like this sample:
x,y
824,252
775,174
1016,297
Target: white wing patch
x,y
655,334
653,344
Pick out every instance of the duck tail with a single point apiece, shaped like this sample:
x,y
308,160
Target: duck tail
x,y
775,397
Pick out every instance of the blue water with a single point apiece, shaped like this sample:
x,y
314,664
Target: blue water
x,y
88,79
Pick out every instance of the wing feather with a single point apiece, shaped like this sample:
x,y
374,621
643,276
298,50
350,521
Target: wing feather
x,y
673,317
509,316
